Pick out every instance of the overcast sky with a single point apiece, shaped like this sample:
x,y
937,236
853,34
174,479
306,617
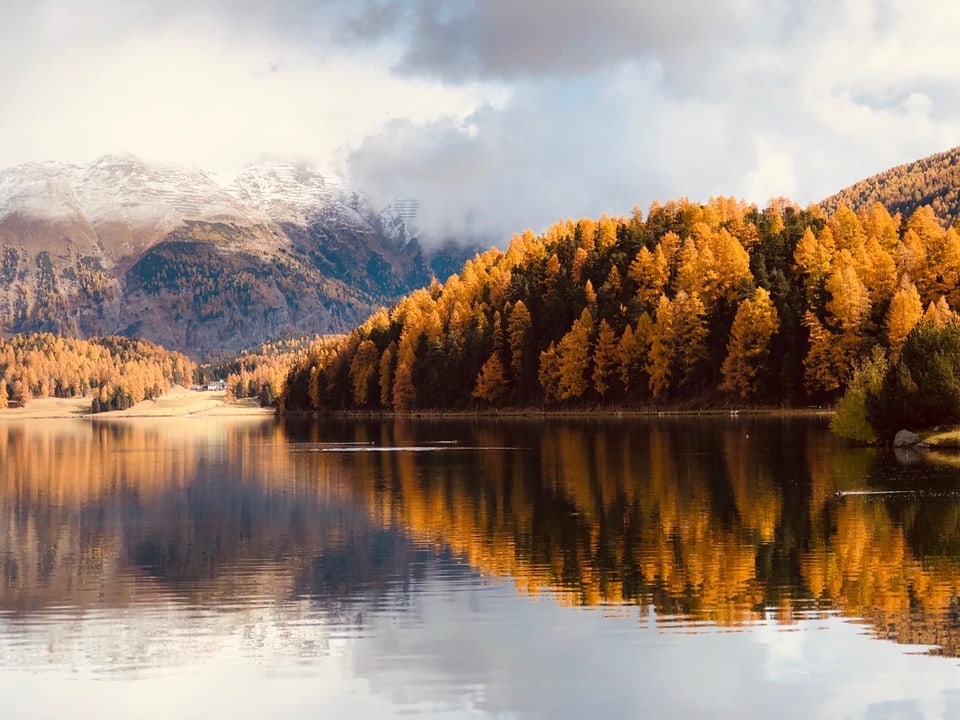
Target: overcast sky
x,y
497,115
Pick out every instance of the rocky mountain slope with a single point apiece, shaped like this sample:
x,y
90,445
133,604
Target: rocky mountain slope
x,y
126,247
933,180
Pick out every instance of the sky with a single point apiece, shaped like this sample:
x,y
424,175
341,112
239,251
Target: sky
x,y
497,115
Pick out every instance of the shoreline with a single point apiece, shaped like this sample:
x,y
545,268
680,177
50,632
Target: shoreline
x,y
179,402
540,413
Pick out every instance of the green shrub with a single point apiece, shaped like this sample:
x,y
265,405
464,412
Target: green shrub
x,y
850,420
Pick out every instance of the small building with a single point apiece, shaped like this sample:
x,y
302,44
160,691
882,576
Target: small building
x,y
216,385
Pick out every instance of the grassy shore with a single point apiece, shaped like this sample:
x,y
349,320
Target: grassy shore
x,y
178,402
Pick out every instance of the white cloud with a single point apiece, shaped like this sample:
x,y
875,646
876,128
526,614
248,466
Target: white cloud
x,y
496,115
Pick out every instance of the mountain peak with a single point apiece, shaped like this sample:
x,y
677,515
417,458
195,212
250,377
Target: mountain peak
x,y
130,247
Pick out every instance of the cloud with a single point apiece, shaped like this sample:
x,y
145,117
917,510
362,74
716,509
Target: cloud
x,y
609,104
195,86
495,115
462,39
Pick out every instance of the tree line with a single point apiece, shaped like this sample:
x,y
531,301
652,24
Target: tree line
x,y
933,181
696,303
115,372
261,372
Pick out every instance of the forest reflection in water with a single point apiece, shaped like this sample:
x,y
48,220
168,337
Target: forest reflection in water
x,y
698,522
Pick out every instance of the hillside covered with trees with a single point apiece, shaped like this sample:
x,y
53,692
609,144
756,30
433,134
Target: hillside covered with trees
x,y
695,304
933,181
115,372
261,372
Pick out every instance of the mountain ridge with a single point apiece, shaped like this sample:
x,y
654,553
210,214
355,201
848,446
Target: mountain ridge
x,y
122,246
933,180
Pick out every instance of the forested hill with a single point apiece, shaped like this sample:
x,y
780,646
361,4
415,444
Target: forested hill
x,y
691,304
933,181
115,372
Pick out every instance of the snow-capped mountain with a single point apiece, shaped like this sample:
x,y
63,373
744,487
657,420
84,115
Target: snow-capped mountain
x,y
169,253
124,188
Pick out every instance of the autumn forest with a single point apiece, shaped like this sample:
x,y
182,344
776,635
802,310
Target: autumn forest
x,y
692,305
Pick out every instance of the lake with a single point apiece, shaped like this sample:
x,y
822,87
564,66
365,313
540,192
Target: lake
x,y
683,567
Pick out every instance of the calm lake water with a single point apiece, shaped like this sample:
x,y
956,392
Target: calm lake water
x,y
685,568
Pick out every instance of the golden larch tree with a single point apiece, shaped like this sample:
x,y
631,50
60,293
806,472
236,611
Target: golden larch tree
x,y
905,312
689,333
649,270
605,359
819,364
939,312
754,325
492,384
549,374
573,357
659,365
364,369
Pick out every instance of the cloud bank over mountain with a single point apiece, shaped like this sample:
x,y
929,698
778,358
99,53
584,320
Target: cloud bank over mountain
x,y
495,115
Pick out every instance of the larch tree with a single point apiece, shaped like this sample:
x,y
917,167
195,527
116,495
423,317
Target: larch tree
x,y
819,365
905,312
633,349
847,230
812,259
849,311
911,258
548,374
492,385
878,224
689,334
591,296
20,394
650,272
386,374
659,365
573,357
404,393
605,359
877,269
939,312
364,373
518,329
748,349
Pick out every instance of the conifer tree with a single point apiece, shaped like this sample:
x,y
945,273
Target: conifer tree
x,y
754,325
573,357
492,381
905,312
605,360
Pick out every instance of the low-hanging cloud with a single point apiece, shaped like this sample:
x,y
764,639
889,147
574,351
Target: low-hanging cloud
x,y
496,115
612,104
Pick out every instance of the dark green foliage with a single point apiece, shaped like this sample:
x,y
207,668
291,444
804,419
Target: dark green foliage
x,y
267,396
923,388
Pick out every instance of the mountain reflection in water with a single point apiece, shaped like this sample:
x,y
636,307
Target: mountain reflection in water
x,y
127,546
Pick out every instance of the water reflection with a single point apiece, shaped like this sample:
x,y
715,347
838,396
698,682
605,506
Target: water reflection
x,y
288,539
704,519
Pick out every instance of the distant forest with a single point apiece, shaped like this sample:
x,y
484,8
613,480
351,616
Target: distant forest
x,y
115,372
933,181
692,305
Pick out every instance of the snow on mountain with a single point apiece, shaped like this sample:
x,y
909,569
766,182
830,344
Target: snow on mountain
x,y
124,188
40,190
127,190
284,192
